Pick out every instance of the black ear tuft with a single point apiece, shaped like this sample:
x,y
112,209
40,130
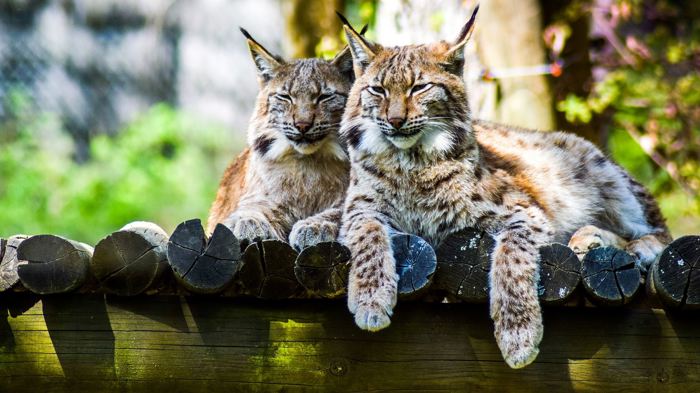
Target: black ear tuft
x,y
265,62
467,28
343,19
246,34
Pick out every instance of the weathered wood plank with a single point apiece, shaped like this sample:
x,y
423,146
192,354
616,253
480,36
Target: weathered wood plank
x,y
156,343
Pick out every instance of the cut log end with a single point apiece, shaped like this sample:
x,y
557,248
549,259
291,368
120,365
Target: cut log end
x,y
8,261
203,265
267,271
676,274
53,264
560,273
610,276
415,263
129,261
323,269
463,263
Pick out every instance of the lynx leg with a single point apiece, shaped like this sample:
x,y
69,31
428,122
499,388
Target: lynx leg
x,y
590,237
372,285
515,307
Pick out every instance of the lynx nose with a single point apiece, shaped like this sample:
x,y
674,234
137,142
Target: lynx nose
x,y
397,122
302,126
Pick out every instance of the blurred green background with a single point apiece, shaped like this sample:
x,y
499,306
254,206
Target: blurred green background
x,y
630,83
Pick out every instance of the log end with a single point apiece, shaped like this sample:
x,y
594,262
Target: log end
x,y
676,274
129,261
54,264
560,273
202,265
267,270
610,276
415,263
323,269
463,264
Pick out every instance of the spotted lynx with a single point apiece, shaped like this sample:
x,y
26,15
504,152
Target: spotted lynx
x,y
290,182
421,164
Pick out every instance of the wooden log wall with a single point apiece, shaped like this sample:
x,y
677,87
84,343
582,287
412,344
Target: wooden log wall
x,y
138,313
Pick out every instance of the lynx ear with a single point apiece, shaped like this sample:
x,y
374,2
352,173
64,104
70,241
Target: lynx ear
x,y
362,51
265,62
454,58
343,60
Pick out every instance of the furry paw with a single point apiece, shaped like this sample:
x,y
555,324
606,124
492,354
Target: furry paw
x,y
309,232
518,335
250,229
373,316
373,309
590,237
646,249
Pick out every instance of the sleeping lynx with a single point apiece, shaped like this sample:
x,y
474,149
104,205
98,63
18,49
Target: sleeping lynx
x,y
421,164
295,170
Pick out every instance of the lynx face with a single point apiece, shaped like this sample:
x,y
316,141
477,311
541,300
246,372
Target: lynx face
x,y
406,97
300,103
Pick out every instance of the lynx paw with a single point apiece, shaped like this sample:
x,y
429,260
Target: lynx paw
x,y
646,249
373,310
590,237
308,232
518,329
249,229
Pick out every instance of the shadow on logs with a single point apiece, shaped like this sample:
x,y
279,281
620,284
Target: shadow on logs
x,y
268,270
610,276
323,269
203,265
9,261
54,264
129,261
676,274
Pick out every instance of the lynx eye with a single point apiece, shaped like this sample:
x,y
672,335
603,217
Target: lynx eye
x,y
325,97
417,89
283,97
377,91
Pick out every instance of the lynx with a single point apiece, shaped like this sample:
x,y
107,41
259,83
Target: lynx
x,y
290,182
421,164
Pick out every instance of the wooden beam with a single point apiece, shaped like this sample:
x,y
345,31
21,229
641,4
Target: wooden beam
x,y
93,343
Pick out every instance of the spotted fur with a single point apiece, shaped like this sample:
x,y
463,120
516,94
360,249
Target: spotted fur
x,y
421,164
290,181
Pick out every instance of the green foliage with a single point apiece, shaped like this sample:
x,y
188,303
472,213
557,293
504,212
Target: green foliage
x,y
650,94
164,167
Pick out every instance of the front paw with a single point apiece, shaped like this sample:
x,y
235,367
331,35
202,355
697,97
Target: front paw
x,y
518,337
373,309
249,229
307,233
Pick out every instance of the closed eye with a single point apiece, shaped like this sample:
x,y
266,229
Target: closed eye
x,y
417,89
325,97
283,97
377,91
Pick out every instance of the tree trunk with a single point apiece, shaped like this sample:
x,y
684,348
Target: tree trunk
x,y
509,34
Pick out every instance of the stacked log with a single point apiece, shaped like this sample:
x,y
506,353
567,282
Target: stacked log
x,y
131,260
9,261
140,257
203,265
53,264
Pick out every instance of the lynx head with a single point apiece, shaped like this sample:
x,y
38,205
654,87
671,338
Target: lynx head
x,y
300,104
409,98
